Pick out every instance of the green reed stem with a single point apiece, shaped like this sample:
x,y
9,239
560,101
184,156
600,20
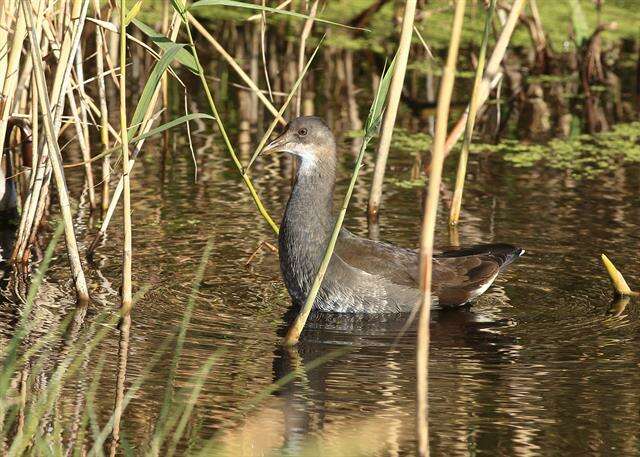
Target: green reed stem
x,y
284,107
372,124
223,131
456,204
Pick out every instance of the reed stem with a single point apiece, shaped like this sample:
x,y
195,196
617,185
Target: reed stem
x,y
389,120
230,60
295,330
145,127
492,73
456,204
104,114
56,158
223,131
126,168
428,230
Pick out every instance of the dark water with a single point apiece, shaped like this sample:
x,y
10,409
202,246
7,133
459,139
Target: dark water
x,y
536,367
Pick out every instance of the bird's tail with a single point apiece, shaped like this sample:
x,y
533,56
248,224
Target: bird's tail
x,y
502,253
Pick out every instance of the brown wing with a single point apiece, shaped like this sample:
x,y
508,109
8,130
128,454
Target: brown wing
x,y
397,265
459,274
458,280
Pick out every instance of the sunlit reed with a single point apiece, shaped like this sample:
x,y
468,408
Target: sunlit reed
x,y
428,230
389,120
454,214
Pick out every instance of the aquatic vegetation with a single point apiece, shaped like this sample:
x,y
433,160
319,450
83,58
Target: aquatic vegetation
x,y
582,156
408,142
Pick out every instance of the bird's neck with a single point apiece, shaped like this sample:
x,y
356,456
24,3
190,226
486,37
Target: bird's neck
x,y
307,223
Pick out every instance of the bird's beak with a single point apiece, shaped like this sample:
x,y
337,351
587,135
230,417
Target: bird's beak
x,y
276,145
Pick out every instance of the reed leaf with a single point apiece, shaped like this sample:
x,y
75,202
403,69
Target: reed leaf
x,y
267,9
133,12
165,43
373,121
152,83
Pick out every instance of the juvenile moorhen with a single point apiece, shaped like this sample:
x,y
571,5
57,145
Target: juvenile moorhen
x,y
364,276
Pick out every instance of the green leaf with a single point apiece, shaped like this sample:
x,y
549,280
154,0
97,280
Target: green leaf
x,y
183,56
251,6
375,113
180,9
152,82
171,124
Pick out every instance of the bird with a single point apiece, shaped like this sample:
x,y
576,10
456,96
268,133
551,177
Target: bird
x,y
363,275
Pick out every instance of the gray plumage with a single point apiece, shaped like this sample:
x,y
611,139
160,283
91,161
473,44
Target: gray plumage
x,y
364,276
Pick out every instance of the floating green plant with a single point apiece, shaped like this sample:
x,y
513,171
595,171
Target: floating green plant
x,y
583,156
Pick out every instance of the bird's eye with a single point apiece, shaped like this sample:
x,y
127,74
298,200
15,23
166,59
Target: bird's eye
x,y
302,132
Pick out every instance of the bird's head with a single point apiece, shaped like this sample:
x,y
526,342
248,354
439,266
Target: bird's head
x,y
308,138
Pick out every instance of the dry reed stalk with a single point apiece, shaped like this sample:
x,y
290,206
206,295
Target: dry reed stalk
x,y
306,31
254,71
233,64
165,81
83,141
9,83
55,157
65,53
126,199
104,114
145,127
214,111
283,108
428,230
22,234
389,120
263,46
86,152
4,43
456,204
492,74
373,119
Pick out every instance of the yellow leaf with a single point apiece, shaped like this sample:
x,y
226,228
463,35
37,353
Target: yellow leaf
x,y
619,284
133,12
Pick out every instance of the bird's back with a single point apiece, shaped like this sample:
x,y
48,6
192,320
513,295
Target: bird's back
x,y
459,274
